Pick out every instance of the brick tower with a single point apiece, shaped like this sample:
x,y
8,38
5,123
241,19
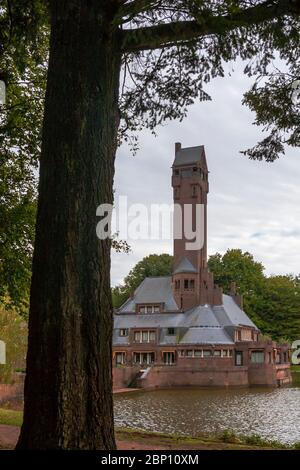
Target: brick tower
x,y
192,283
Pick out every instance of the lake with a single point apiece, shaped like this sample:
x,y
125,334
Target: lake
x,y
271,413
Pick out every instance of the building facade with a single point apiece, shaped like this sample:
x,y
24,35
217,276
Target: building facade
x,y
181,330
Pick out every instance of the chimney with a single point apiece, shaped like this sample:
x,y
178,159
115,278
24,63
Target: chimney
x,y
177,147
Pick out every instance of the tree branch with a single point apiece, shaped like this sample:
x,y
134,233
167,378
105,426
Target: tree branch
x,y
129,10
168,34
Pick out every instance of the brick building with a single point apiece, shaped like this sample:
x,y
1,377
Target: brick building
x,y
182,330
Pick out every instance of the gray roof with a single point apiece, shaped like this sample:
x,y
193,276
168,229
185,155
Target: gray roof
x,y
152,290
190,155
204,324
206,336
184,266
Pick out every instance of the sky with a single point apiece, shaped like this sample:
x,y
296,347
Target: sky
x,y
254,206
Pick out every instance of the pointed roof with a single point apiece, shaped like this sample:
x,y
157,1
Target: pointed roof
x,y
184,266
190,155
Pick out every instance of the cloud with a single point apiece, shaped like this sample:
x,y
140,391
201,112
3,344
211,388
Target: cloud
x,y
251,205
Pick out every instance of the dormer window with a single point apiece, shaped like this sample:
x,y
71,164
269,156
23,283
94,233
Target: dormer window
x,y
123,332
171,331
144,309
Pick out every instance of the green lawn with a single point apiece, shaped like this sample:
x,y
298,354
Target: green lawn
x,y
11,417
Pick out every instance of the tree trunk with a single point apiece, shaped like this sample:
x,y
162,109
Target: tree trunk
x,y
68,386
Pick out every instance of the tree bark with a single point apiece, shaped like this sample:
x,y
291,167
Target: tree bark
x,y
68,386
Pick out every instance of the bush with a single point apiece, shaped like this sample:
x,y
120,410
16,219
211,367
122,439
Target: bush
x,y
13,331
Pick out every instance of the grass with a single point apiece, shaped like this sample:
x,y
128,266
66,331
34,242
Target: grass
x,y
227,439
11,417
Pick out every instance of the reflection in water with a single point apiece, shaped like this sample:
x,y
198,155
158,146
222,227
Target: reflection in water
x,y
271,413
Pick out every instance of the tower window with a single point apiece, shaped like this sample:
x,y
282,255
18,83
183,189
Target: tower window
x,y
186,283
177,285
192,284
176,172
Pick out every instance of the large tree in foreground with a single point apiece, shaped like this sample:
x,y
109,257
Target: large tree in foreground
x,y
159,55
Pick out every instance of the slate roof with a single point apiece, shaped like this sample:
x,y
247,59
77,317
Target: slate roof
x,y
152,290
204,324
184,266
188,155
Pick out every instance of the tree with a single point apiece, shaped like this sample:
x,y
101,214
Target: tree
x,y
279,307
271,302
23,66
168,51
152,265
13,331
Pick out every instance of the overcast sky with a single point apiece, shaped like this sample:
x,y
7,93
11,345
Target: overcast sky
x,y
254,206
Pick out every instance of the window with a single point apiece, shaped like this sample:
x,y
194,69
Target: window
x,y
152,336
224,352
169,358
207,353
195,169
177,285
143,358
137,336
278,358
238,358
198,353
171,331
257,357
192,284
189,353
217,353
145,336
120,358
148,309
176,172
123,332
186,283
176,193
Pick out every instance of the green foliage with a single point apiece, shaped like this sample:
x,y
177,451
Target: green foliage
x,y
152,265
23,66
271,302
13,331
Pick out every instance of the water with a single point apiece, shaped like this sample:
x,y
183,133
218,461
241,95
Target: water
x,y
271,413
